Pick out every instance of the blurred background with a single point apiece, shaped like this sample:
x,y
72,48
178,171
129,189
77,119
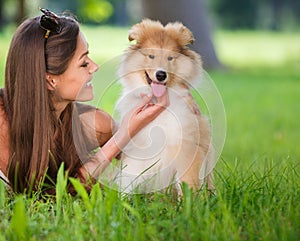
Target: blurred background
x,y
203,17
250,48
250,14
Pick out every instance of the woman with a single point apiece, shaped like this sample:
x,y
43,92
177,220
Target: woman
x,y
41,123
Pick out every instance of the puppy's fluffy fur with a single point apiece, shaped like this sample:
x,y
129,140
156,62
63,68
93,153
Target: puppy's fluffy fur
x,y
176,146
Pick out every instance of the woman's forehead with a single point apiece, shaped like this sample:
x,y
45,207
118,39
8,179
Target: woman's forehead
x,y
82,45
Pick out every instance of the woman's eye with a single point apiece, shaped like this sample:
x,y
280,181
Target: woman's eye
x,y
170,58
85,64
151,56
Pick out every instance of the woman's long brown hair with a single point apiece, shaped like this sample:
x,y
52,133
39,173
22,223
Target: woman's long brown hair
x,y
39,142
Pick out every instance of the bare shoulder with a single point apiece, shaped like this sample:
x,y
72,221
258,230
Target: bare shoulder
x,y
104,121
98,122
3,117
4,139
100,119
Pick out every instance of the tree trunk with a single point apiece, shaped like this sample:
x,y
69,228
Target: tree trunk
x,y
192,13
21,11
276,9
1,15
120,16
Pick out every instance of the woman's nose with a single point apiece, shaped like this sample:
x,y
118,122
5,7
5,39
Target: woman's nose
x,y
94,67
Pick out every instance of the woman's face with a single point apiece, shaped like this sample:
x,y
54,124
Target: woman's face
x,y
76,82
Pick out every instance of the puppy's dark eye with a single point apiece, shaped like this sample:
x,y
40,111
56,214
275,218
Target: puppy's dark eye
x,y
170,58
151,56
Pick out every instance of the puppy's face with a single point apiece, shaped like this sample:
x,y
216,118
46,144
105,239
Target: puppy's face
x,y
160,55
159,67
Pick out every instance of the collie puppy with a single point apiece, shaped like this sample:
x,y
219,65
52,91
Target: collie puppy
x,y
176,147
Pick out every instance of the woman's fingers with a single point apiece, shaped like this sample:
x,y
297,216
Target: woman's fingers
x,y
163,100
146,98
141,116
145,102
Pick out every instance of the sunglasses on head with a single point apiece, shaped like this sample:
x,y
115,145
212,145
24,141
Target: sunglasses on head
x,y
50,22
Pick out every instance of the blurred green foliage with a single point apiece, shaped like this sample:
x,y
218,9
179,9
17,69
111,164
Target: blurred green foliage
x,y
95,11
254,14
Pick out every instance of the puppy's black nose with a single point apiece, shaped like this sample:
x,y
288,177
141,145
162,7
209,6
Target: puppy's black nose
x,y
161,75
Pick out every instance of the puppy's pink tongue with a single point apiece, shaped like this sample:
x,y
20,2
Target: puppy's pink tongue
x,y
158,89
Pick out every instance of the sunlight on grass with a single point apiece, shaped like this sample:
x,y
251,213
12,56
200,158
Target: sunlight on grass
x,y
106,43
255,49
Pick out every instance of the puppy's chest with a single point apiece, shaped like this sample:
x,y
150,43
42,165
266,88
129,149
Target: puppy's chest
x,y
177,112
176,121
175,124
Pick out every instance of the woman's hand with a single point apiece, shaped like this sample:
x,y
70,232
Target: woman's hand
x,y
133,122
140,117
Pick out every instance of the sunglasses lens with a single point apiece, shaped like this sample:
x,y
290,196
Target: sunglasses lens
x,y
50,24
49,21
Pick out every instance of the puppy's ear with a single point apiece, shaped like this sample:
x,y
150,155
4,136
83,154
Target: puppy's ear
x,y
143,30
183,34
134,32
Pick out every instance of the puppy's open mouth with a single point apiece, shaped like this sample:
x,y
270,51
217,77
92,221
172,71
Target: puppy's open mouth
x,y
158,89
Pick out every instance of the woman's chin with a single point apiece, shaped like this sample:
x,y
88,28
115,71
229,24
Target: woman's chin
x,y
85,95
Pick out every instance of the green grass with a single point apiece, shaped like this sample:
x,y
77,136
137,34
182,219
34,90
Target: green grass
x,y
257,177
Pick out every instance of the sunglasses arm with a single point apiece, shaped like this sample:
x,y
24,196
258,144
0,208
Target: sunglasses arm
x,y
47,34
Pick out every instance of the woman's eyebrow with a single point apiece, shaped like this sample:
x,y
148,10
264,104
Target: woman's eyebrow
x,y
85,53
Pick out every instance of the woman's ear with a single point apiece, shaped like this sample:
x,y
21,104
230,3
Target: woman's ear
x,y
51,82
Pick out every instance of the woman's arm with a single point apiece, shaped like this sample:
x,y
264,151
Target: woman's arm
x,y
98,126
134,121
